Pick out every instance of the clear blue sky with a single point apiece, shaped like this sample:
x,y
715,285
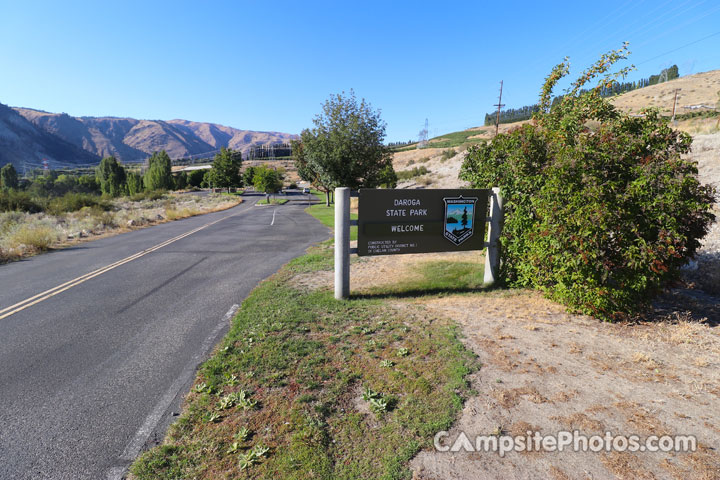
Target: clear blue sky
x,y
270,65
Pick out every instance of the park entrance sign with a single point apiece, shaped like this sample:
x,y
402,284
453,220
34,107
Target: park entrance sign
x,y
417,221
421,221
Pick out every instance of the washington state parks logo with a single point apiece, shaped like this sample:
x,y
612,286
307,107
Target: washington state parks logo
x,y
459,218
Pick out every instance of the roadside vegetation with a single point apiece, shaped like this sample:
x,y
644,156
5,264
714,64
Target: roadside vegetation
x,y
23,234
600,218
48,209
305,386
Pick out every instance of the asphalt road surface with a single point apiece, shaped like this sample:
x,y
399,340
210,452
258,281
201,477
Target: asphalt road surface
x,y
93,369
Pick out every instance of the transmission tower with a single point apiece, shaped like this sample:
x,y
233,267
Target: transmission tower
x,y
499,105
423,136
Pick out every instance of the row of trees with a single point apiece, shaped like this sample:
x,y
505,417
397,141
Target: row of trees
x,y
114,180
345,147
615,88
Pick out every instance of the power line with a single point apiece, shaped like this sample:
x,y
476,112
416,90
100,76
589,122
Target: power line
x,y
680,26
679,48
499,105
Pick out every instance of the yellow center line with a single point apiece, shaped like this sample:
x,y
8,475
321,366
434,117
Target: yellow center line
x,y
28,302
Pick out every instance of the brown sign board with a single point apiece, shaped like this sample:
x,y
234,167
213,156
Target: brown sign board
x,y
421,221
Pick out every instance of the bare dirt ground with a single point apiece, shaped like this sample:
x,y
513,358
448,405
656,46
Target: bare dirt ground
x,y
548,371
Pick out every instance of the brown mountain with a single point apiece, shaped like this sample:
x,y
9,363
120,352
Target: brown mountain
x,y
22,143
129,139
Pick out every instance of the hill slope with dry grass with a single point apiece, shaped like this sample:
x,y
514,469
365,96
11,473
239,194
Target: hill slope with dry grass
x,y
698,91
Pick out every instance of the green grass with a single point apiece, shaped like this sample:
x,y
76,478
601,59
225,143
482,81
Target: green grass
x,y
326,215
238,193
404,148
437,278
455,139
306,359
273,201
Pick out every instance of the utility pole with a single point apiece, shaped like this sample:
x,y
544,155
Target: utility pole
x,y
675,103
499,105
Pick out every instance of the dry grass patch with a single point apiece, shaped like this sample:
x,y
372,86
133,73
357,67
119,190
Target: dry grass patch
x,y
32,238
640,378
23,234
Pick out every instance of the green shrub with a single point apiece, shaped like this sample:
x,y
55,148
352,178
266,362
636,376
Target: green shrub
x,y
415,172
72,202
448,154
599,220
17,201
148,195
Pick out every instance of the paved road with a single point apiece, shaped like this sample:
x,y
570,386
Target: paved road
x,y
93,373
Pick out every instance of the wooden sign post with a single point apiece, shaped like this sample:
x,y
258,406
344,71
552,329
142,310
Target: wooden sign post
x,y
416,221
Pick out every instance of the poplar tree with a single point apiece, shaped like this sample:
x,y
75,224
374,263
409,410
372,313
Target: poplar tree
x,y
159,172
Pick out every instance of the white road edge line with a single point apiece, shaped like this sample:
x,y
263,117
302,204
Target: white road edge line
x,y
273,220
132,450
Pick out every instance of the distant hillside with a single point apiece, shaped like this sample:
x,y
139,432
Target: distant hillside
x,y
21,141
698,91
130,139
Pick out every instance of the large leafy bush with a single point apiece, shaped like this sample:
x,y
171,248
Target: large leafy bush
x,y
601,210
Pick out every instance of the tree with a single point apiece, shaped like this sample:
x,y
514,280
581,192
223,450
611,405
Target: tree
x,y
64,184
8,177
195,178
134,183
345,148
248,176
181,181
159,172
267,180
225,172
601,209
111,177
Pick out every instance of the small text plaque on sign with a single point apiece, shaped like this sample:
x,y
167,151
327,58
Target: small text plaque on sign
x,y
421,221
